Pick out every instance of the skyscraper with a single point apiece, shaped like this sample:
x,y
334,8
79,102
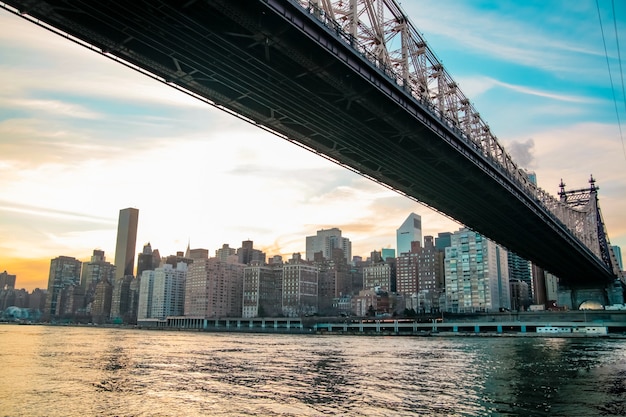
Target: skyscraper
x,y
409,231
214,288
64,273
126,240
121,300
145,260
300,288
521,270
7,280
262,290
476,274
618,255
162,292
96,270
325,241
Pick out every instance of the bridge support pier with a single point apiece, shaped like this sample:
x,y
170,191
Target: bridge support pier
x,y
573,297
615,292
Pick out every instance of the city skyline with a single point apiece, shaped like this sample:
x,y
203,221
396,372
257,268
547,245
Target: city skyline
x,y
82,137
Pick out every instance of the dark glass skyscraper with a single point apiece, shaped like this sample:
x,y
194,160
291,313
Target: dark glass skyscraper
x,y
121,299
126,240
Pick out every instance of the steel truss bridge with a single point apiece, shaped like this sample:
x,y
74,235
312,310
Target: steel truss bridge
x,y
355,82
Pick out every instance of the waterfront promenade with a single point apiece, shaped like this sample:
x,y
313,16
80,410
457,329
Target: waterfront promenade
x,y
573,323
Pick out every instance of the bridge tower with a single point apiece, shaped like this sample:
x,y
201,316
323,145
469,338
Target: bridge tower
x,y
585,218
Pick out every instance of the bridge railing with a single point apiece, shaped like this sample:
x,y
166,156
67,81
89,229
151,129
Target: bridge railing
x,y
382,33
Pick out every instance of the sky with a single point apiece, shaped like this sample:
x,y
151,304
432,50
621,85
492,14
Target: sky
x,y
82,137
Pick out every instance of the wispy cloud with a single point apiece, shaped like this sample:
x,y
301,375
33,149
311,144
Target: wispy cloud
x,y
475,86
517,34
545,94
44,211
53,107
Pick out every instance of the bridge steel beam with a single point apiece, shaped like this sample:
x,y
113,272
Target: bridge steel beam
x,y
274,64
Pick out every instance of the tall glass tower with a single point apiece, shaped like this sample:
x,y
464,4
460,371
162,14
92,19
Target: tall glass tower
x,y
410,231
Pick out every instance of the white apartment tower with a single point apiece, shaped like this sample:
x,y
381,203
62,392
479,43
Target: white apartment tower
x,y
162,292
476,274
409,231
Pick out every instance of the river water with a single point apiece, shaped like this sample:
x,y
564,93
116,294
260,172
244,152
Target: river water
x,y
89,371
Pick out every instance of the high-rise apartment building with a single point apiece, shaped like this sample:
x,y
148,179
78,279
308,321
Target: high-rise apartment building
x,y
126,241
101,305
214,288
520,269
387,253
198,253
262,290
618,255
145,260
226,254
146,287
430,277
122,300
476,274
443,240
7,280
64,273
325,241
409,231
96,270
248,255
168,291
300,282
380,276
335,282
406,271
519,295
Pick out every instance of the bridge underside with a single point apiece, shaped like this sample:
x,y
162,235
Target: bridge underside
x,y
268,61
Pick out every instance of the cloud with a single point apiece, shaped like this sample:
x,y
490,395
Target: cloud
x,y
53,107
522,152
574,153
545,94
44,211
476,85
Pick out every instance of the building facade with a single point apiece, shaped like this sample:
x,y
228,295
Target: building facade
x,y
262,291
101,305
96,270
64,273
126,241
300,288
476,274
520,269
325,241
162,292
381,276
214,289
7,280
409,231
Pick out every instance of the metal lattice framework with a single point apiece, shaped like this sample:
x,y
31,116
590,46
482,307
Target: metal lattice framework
x,y
585,216
382,32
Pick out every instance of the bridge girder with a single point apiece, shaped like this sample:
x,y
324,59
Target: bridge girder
x,y
276,64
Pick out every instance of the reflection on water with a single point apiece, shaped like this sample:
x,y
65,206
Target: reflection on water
x,y
61,371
